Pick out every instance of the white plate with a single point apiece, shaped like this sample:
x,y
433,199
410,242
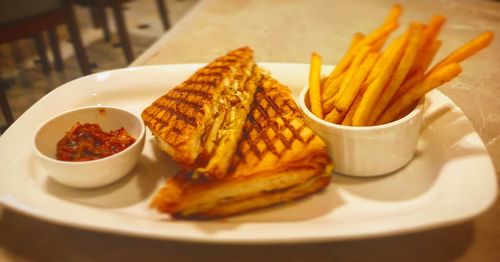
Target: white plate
x,y
451,178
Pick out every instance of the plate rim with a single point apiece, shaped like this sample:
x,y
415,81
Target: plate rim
x,y
232,240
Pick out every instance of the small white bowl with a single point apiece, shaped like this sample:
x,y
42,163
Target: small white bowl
x,y
371,150
93,173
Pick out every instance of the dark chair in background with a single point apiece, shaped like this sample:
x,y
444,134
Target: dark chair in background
x,y
29,19
4,105
99,18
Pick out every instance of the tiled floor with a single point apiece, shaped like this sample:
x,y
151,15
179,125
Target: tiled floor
x,y
27,83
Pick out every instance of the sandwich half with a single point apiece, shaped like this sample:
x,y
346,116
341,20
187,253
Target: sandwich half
x,y
199,122
278,159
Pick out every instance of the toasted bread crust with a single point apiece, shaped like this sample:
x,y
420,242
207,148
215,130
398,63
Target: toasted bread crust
x,y
275,133
264,199
230,131
185,197
278,159
181,117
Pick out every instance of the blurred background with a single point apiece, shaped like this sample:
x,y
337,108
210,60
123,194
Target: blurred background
x,y
40,49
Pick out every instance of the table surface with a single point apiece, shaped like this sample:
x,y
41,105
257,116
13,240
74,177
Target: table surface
x,y
287,31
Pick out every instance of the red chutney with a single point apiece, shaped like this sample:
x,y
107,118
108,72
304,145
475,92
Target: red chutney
x,y
89,142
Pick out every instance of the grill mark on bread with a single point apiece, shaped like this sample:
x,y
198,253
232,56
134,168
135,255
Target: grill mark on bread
x,y
271,105
245,81
181,100
185,90
287,124
195,92
201,83
188,119
290,108
276,129
186,106
208,79
296,132
262,134
176,130
214,68
269,144
231,58
235,98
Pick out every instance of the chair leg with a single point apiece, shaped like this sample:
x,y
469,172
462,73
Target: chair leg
x,y
4,104
104,23
76,40
56,50
162,8
122,32
42,52
101,20
94,14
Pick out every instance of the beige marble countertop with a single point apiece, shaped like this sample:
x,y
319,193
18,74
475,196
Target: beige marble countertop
x,y
287,31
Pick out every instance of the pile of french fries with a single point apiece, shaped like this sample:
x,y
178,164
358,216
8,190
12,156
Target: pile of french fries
x,y
371,86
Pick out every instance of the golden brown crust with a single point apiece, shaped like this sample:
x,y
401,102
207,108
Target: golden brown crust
x,y
275,133
230,130
181,117
278,159
262,199
184,197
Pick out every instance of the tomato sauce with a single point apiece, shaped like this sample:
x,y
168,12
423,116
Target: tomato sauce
x,y
89,142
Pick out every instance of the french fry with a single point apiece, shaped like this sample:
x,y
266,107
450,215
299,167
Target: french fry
x,y
394,14
345,101
322,84
356,39
314,88
356,63
367,87
353,87
374,36
426,59
332,89
465,51
409,55
379,33
392,18
377,86
430,82
381,62
350,113
427,55
428,44
380,43
334,116
329,105
458,55
330,93
407,85
406,111
433,29
346,60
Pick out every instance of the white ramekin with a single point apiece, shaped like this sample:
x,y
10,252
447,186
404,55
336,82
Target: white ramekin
x,y
371,150
94,173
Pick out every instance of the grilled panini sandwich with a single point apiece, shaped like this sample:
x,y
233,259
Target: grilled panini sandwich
x,y
278,159
199,122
